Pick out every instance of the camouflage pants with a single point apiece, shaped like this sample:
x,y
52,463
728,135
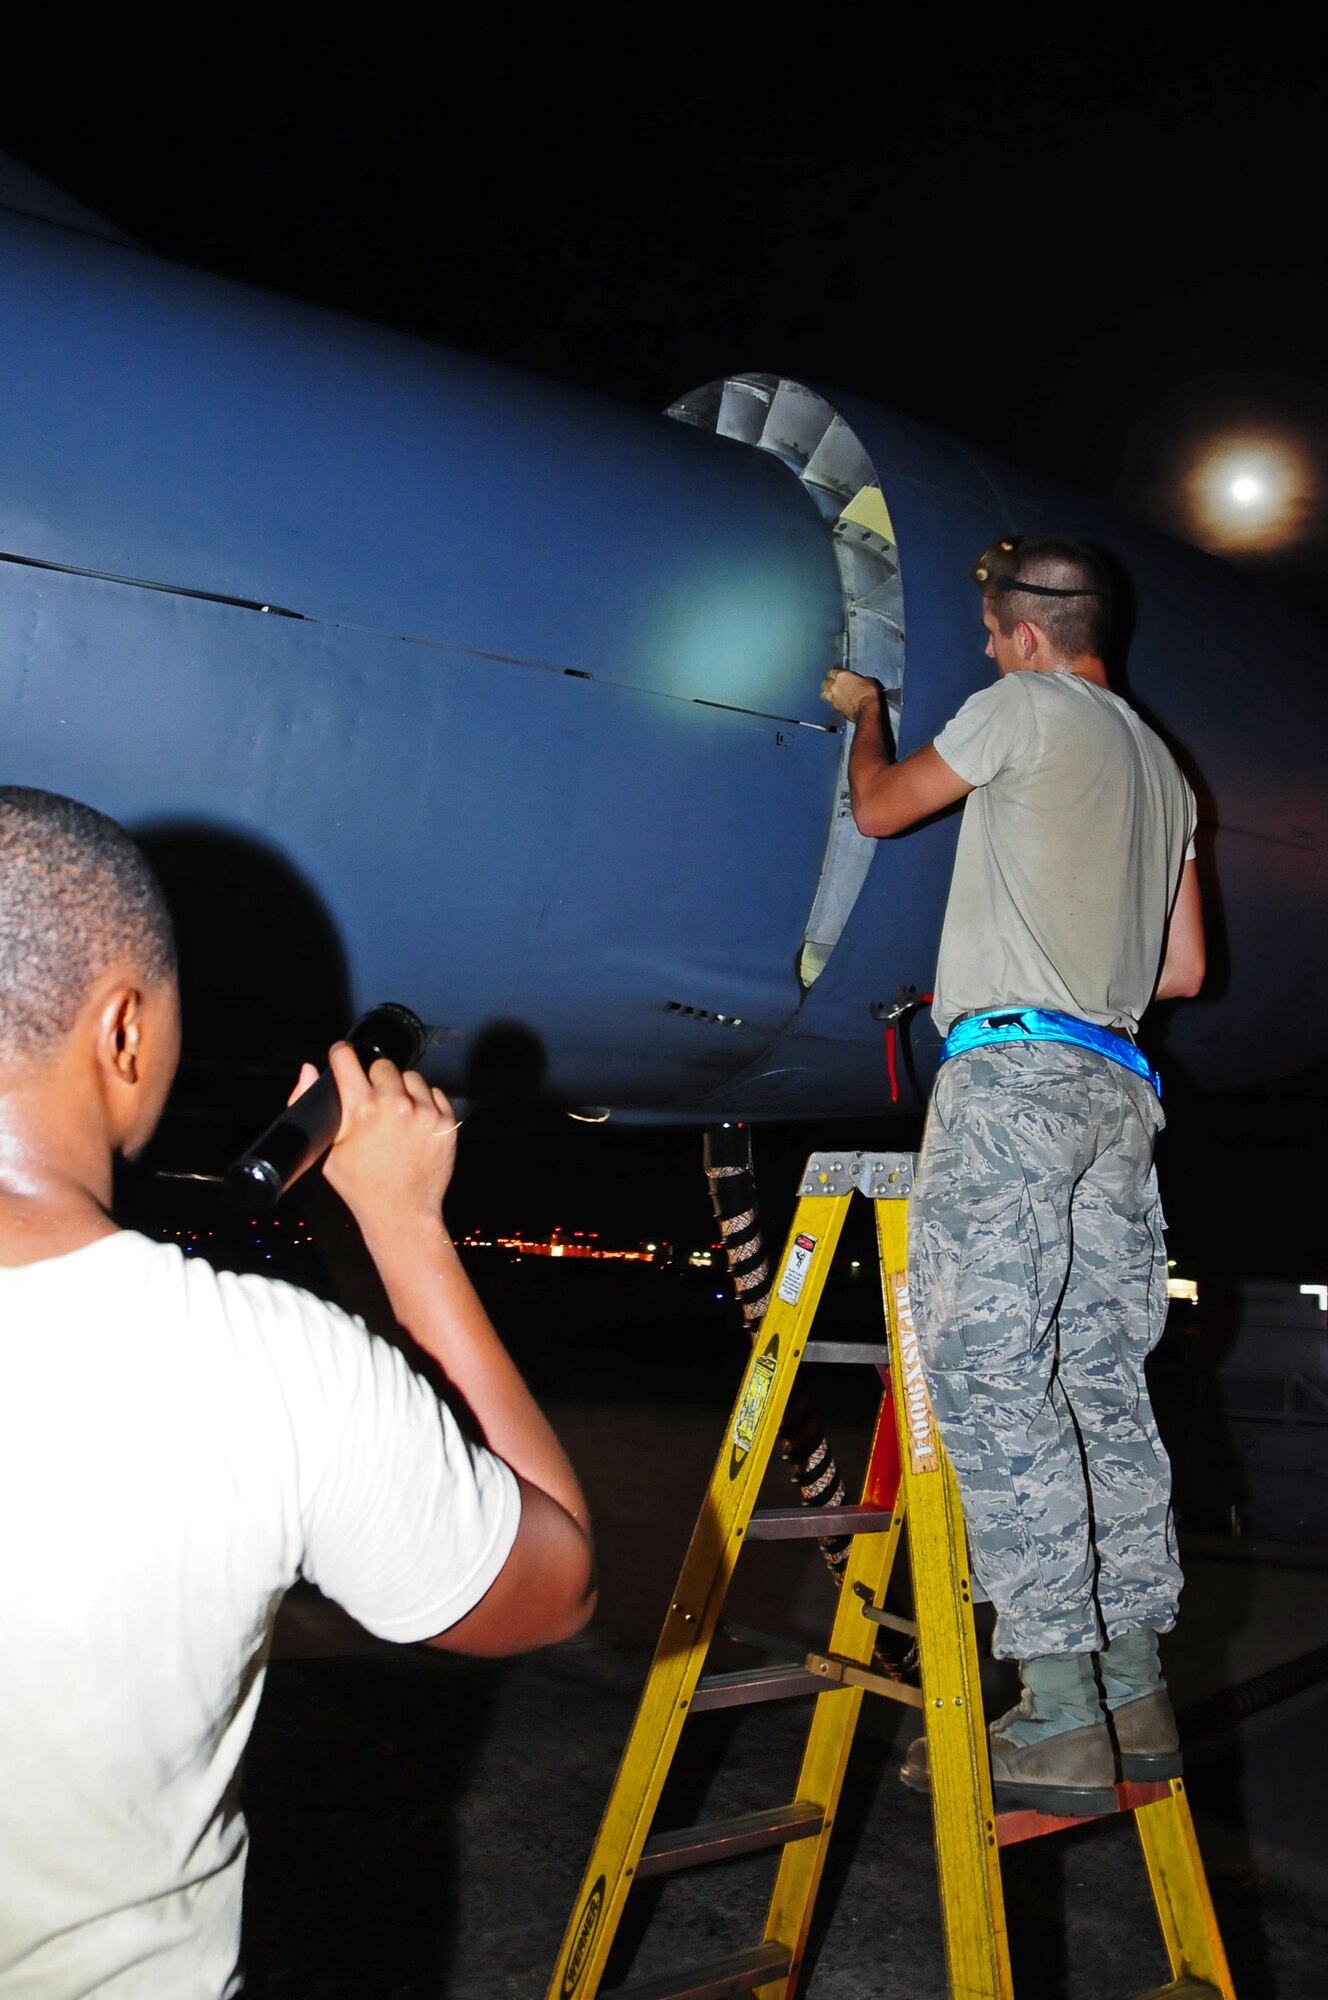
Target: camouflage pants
x,y
1038,1278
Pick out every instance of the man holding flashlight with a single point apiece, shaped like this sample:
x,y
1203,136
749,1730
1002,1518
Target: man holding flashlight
x,y
177,1445
1037,1265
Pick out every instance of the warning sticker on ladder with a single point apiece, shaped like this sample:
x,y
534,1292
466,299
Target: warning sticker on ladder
x,y
755,1390
795,1270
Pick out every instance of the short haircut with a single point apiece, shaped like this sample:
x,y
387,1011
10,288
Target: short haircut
x,y
1075,624
76,897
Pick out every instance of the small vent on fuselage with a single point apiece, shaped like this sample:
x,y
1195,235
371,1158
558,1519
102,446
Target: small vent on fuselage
x,y
702,1014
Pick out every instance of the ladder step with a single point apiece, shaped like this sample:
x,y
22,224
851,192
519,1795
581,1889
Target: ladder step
x,y
840,1353
1023,1823
722,1839
797,1524
1182,1989
753,1684
722,1979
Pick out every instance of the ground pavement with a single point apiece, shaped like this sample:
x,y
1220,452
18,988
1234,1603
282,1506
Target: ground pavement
x,y
420,1822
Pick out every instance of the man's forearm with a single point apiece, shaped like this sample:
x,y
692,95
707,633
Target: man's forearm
x,y
871,754
435,1301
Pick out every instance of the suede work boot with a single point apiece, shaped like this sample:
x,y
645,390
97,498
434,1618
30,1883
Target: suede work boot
x,y
1139,1708
1053,1753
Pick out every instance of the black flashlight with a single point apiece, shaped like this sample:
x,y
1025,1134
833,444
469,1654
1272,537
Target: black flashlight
x,y
302,1133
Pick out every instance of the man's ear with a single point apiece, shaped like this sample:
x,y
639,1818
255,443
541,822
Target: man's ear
x,y
1028,638
119,1033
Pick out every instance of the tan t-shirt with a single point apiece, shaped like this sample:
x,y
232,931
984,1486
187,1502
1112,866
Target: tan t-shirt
x,y
1069,856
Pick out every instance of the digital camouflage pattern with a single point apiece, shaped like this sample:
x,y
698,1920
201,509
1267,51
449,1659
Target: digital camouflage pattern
x,y
1038,1274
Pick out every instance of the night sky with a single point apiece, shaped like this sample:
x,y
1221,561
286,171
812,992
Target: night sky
x,y
1103,256
1096,254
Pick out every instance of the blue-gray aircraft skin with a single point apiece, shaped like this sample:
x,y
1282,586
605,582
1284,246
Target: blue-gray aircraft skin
x,y
522,687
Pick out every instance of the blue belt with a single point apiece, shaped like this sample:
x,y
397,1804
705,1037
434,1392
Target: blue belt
x,y
1039,1024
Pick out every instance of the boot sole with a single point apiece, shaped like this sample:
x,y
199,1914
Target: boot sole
x,y
1065,1801
1152,1767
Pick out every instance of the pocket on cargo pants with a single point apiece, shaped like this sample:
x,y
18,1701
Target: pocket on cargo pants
x,y
975,1276
988,1233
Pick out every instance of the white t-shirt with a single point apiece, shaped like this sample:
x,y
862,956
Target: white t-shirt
x,y
176,1446
1070,852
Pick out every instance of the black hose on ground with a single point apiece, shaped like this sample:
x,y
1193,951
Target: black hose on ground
x,y
1215,1713
802,1440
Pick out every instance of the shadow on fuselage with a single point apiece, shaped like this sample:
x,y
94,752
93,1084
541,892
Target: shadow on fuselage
x,y
263,976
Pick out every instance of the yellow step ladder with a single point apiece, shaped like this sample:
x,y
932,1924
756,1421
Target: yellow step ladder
x,y
969,1833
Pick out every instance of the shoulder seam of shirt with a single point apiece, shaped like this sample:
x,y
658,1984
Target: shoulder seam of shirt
x,y
961,766
957,765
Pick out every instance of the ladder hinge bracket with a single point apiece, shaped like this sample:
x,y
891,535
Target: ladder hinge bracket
x,y
880,1176
836,1672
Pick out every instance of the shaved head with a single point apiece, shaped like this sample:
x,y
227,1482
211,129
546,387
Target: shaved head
x,y
1071,598
76,898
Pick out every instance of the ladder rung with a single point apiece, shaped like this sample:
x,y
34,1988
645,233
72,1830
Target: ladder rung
x,y
836,1353
722,1979
752,1684
721,1839
1017,1823
794,1524
1188,1988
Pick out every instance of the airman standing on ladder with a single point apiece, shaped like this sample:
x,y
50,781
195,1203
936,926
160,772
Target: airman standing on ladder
x,y
1037,1262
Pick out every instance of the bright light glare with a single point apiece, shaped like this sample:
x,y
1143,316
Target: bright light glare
x,y
1250,492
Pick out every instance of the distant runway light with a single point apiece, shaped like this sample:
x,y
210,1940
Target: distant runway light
x,y
1250,492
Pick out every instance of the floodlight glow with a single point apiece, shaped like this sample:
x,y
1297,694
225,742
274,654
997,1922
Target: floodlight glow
x,y
1249,492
